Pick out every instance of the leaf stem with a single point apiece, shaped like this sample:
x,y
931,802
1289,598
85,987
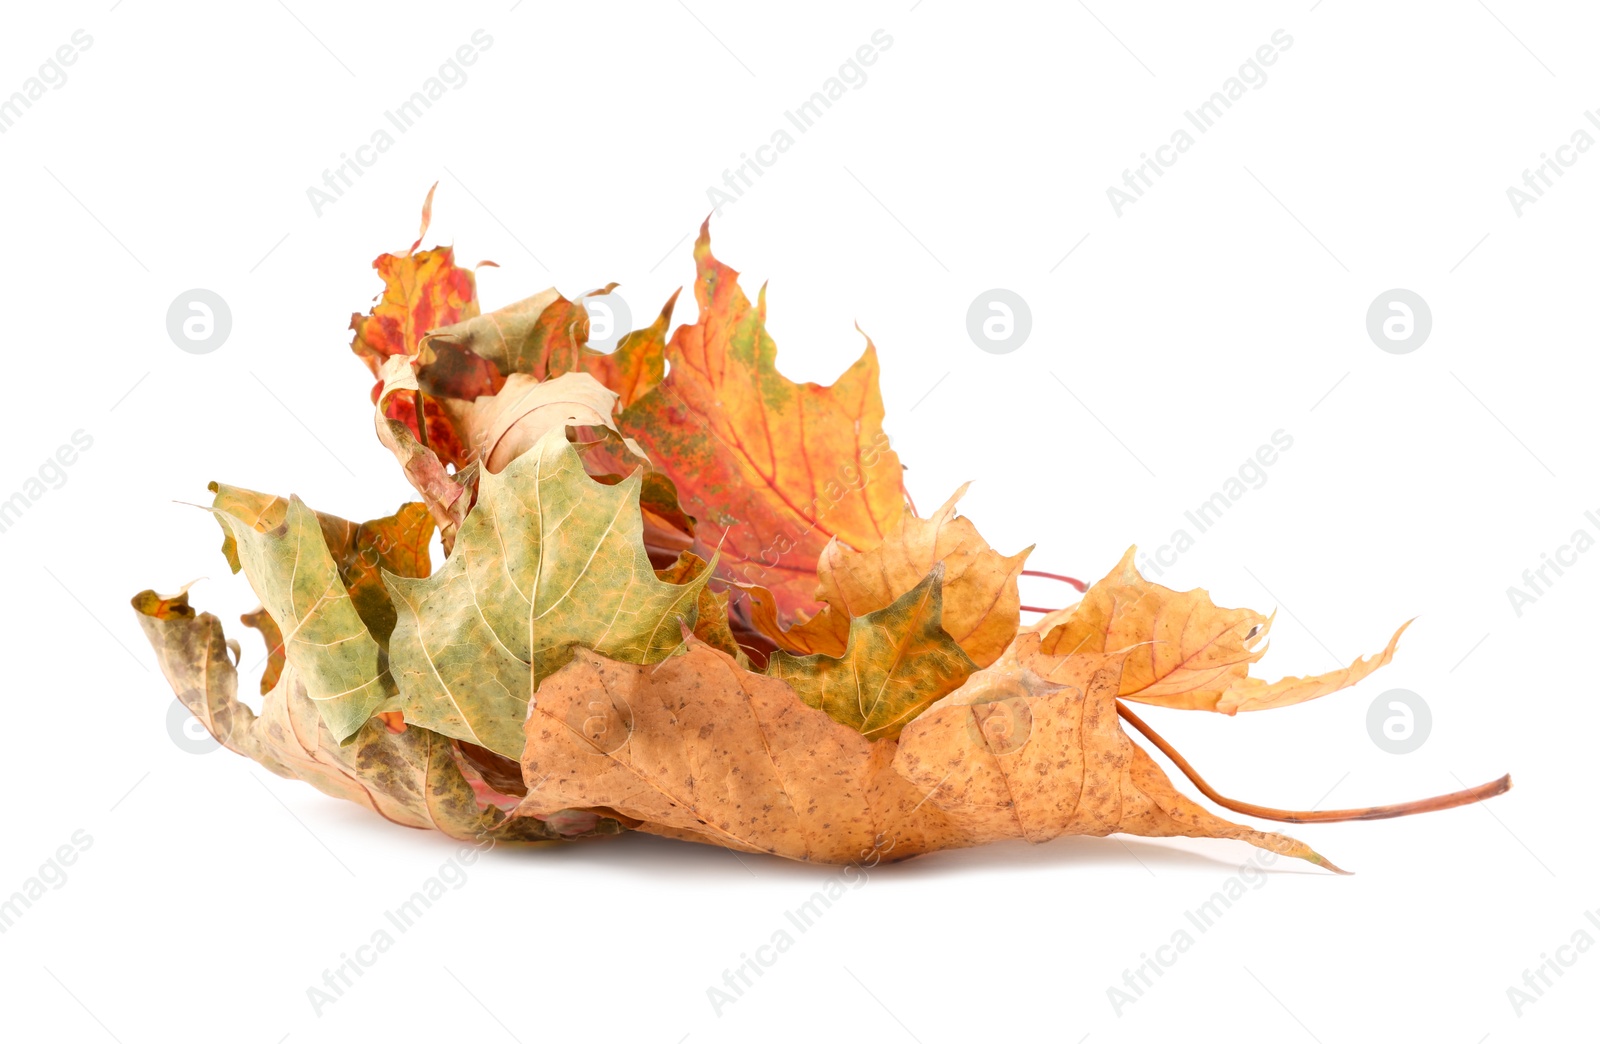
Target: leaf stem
x,y
1406,808
1074,581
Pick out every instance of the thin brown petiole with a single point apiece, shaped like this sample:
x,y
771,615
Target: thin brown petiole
x,y
1406,808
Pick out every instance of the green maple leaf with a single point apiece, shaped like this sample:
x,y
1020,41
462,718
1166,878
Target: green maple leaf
x,y
897,662
283,549
548,559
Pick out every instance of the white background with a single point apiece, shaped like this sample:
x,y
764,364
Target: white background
x,y
1226,304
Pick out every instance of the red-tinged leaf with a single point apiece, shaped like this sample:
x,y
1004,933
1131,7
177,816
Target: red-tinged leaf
x,y
448,497
421,292
771,469
439,432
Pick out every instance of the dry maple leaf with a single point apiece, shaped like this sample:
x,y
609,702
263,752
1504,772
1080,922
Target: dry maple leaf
x,y
770,469
1036,751
896,662
446,494
548,560
281,548
702,750
422,291
502,427
411,777
1183,650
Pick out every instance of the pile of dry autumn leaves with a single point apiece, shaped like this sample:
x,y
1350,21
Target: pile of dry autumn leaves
x,y
691,599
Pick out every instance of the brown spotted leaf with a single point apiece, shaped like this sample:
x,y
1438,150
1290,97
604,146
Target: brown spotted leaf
x,y
1036,751
699,749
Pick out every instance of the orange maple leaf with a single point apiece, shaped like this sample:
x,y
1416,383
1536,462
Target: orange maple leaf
x,y
772,470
